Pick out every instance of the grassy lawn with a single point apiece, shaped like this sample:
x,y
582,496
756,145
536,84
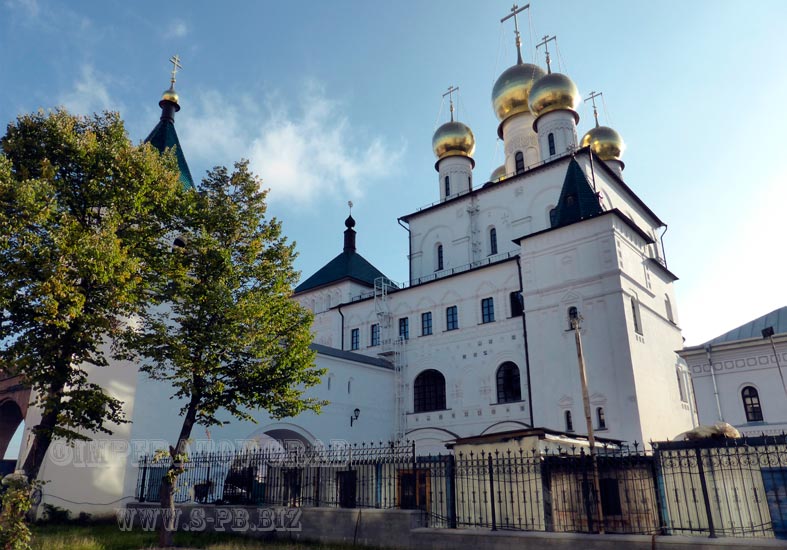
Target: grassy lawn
x,y
109,537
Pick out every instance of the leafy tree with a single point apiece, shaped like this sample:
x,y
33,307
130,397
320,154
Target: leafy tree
x,y
83,213
231,338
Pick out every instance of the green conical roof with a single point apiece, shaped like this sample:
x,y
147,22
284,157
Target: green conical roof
x,y
577,200
164,137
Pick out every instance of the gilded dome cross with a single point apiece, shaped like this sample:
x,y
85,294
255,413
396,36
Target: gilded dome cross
x,y
545,42
592,98
449,93
175,60
514,11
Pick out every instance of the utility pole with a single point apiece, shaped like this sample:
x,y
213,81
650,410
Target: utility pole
x,y
583,379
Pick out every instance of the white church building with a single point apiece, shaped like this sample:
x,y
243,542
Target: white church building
x,y
478,340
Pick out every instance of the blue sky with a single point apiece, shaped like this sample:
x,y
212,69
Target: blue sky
x,y
337,101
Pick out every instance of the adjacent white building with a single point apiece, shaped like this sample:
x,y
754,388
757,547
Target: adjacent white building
x,y
739,376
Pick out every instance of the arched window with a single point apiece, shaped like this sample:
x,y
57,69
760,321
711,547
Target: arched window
x,y
492,241
601,420
635,316
447,186
519,162
509,388
349,385
429,392
179,242
553,217
751,404
668,309
573,315
681,386
551,139
439,257
569,421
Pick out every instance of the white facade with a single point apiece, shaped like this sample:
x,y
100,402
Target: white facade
x,y
736,380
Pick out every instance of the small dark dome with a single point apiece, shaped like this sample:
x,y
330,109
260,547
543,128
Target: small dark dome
x,y
349,223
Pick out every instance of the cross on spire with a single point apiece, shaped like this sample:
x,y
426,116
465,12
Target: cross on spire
x,y
175,60
545,42
592,97
449,93
514,11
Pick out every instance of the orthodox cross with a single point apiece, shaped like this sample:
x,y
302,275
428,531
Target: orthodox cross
x,y
592,97
175,60
514,11
545,42
350,205
449,93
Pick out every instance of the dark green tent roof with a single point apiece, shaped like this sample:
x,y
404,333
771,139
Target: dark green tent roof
x,y
577,200
347,265
164,137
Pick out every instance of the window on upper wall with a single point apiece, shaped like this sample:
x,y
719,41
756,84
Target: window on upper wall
x,y
451,318
551,139
375,335
487,310
569,421
553,217
439,257
573,317
355,338
429,391
519,162
404,328
668,309
447,186
601,420
681,386
492,241
426,323
635,316
751,404
517,304
509,388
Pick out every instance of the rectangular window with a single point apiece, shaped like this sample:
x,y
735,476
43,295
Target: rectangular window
x,y
451,318
404,328
487,310
375,339
426,323
355,338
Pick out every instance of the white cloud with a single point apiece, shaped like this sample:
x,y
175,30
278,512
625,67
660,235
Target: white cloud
x,y
89,94
300,155
178,29
30,7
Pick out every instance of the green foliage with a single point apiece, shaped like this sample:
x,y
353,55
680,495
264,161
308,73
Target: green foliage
x,y
232,338
83,213
14,504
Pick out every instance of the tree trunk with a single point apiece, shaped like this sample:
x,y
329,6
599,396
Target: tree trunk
x,y
169,523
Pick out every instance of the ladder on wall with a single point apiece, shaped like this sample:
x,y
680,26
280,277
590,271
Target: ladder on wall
x,y
392,347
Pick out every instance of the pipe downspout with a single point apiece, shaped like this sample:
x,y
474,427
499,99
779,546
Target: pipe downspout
x,y
342,316
527,349
409,251
708,349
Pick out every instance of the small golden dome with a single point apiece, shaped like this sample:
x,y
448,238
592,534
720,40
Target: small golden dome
x,y
170,95
498,173
512,89
553,92
605,142
453,138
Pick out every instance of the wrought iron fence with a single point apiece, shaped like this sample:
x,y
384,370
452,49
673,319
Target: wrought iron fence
x,y
711,488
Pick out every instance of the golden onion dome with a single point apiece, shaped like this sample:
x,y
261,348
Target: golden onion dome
x,y
453,138
605,142
498,173
512,89
170,95
553,92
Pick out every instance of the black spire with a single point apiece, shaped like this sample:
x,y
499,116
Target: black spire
x,y
349,234
577,200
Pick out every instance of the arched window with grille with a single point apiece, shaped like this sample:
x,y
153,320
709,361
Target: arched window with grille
x,y
751,404
519,162
601,419
492,241
551,139
439,257
569,421
509,388
635,316
447,186
429,391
